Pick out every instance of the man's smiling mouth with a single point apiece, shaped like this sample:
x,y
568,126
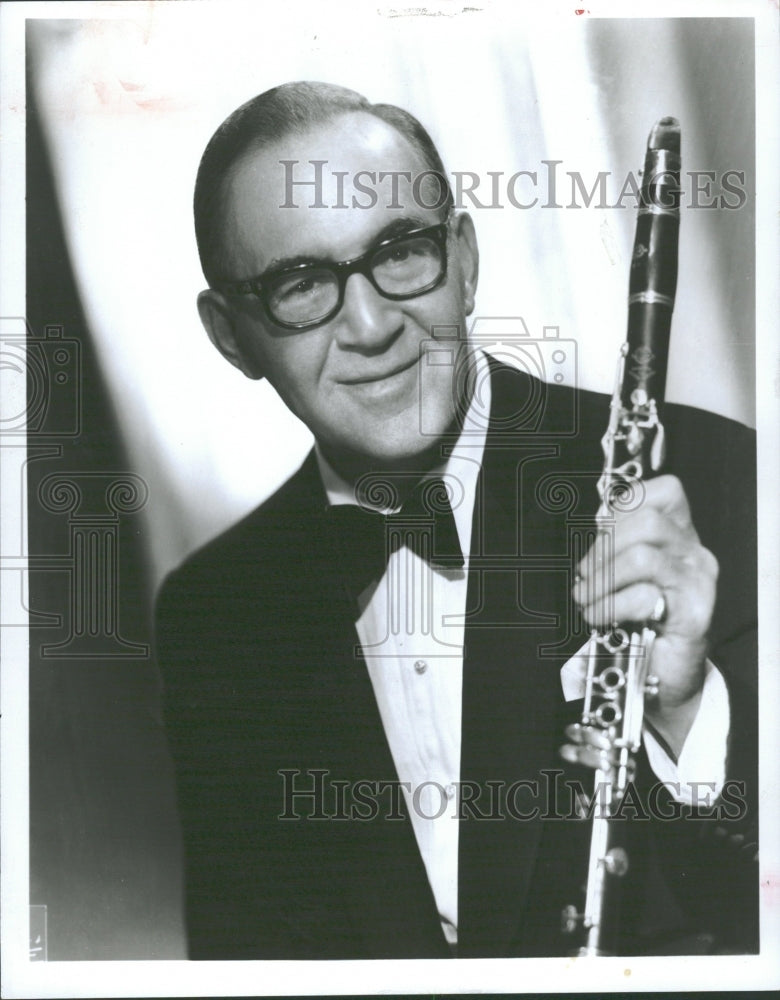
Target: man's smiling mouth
x,y
368,378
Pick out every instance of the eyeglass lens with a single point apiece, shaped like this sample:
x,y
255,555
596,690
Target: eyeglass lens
x,y
404,267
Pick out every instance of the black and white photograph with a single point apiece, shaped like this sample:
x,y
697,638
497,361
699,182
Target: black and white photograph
x,y
389,440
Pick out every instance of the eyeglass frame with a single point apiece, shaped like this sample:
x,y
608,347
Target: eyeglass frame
x,y
343,270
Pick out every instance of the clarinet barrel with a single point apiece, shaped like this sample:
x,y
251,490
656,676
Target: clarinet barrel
x,y
653,276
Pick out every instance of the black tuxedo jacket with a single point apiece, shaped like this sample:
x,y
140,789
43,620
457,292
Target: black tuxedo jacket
x,y
267,697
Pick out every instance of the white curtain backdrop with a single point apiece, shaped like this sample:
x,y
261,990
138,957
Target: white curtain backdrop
x,y
130,103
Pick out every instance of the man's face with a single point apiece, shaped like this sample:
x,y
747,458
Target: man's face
x,y
355,381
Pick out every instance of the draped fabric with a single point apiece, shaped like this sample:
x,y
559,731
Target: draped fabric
x,y
130,103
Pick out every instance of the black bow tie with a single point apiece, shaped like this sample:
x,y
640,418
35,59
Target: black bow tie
x,y
366,539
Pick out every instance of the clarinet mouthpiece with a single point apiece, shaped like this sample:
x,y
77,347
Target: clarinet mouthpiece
x,y
665,134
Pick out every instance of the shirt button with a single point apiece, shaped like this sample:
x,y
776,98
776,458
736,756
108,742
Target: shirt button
x,y
420,666
449,791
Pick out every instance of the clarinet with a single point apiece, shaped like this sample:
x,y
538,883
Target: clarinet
x,y
618,679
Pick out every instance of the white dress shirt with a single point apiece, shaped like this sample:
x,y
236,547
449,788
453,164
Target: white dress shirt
x,y
411,631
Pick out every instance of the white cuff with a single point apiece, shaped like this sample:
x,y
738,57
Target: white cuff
x,y
700,772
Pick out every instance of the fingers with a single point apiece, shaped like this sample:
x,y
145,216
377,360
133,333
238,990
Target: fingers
x,y
645,554
631,604
646,526
664,495
607,568
688,602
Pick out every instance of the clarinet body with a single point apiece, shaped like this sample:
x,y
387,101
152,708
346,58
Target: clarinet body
x,y
618,659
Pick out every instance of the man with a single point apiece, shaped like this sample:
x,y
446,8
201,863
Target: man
x,y
366,741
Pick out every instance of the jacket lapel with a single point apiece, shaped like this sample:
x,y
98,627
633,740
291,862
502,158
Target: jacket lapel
x,y
382,896
519,580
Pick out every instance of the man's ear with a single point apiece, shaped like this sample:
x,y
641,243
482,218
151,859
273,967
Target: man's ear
x,y
219,322
468,256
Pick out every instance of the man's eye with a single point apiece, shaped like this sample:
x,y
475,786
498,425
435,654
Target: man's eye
x,y
403,253
301,287
400,254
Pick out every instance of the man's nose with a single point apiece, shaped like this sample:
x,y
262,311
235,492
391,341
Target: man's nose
x,y
367,320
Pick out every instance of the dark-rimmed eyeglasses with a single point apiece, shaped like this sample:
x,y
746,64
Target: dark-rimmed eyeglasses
x,y
306,295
